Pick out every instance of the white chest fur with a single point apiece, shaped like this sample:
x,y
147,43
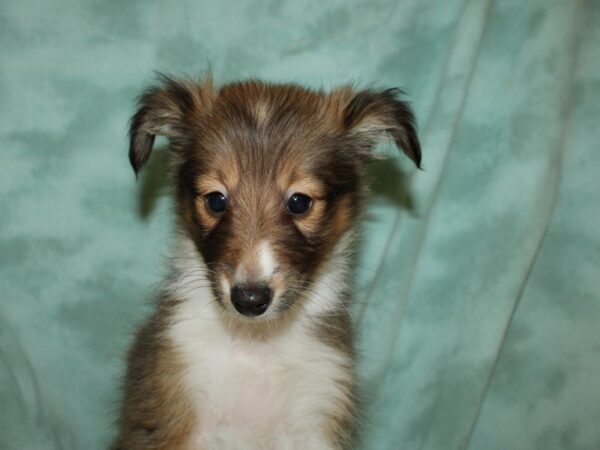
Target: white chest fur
x,y
249,394
272,394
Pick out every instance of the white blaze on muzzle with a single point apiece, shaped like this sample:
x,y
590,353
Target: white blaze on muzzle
x,y
258,265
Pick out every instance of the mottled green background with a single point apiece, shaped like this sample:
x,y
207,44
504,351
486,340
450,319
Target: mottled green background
x,y
478,299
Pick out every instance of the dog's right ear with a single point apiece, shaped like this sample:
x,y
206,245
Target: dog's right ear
x,y
165,110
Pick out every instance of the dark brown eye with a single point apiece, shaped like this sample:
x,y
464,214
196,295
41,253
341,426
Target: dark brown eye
x,y
299,204
216,202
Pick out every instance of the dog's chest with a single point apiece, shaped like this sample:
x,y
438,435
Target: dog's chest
x,y
242,384
265,394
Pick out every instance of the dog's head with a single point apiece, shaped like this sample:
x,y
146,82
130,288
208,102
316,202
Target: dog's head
x,y
268,178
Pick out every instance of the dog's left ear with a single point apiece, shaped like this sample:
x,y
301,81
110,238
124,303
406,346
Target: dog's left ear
x,y
371,114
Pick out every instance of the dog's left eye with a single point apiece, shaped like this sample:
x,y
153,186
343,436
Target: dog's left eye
x,y
216,202
299,204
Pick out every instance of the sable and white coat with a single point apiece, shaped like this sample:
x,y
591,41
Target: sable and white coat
x,y
250,345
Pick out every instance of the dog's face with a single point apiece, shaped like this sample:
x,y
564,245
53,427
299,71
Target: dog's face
x,y
268,178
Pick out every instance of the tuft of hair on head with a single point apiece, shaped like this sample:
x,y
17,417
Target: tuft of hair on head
x,y
166,109
372,113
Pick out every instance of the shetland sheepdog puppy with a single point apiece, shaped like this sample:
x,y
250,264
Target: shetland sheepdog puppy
x,y
250,345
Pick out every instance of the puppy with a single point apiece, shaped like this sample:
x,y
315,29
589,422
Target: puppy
x,y
250,345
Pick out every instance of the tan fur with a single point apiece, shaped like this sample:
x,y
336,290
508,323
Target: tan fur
x,y
163,420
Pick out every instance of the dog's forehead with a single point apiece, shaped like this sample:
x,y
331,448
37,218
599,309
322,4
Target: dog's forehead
x,y
256,114
253,174
271,134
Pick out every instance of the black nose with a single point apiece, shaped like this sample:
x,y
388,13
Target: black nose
x,y
251,300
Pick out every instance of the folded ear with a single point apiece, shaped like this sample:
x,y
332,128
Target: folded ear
x,y
372,114
164,110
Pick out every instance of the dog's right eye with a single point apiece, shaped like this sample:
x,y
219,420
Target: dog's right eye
x,y
216,202
299,203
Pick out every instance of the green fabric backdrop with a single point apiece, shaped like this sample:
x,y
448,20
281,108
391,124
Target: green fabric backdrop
x,y
478,279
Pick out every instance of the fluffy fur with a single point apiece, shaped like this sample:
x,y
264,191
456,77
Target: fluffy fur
x,y
201,375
